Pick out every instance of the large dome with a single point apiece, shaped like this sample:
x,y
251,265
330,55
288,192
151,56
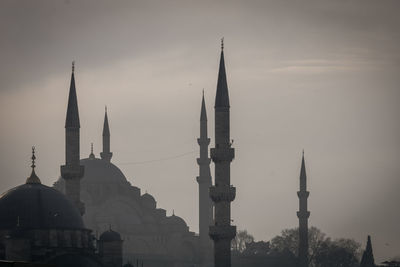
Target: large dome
x,y
36,206
101,171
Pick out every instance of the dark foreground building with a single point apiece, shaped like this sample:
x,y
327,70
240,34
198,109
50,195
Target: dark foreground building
x,y
40,225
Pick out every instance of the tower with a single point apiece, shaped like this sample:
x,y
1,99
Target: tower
x,y
367,259
222,193
204,181
106,154
303,215
72,172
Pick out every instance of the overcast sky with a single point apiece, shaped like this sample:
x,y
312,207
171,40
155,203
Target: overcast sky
x,y
318,75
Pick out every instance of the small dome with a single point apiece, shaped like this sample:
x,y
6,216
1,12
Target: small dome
x,y
110,235
149,201
177,221
34,205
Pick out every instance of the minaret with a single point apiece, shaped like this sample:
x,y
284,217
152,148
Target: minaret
x,y
367,259
204,181
72,172
222,193
303,215
106,154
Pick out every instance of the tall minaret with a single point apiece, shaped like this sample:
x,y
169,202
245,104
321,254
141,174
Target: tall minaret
x,y
204,180
303,215
72,172
222,194
106,154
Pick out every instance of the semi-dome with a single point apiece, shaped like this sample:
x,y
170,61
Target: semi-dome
x,y
33,205
110,235
101,171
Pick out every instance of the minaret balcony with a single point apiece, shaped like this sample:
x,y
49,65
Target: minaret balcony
x,y
203,141
221,232
222,154
303,194
303,214
222,193
72,171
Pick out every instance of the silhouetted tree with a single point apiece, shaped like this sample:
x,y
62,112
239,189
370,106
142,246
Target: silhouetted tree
x,y
321,248
239,242
257,248
338,253
367,259
289,239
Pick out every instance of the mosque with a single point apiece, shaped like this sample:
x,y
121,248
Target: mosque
x,y
59,225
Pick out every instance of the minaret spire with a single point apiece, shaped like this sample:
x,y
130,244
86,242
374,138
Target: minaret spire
x,y
106,154
204,181
223,193
222,96
72,171
303,215
72,119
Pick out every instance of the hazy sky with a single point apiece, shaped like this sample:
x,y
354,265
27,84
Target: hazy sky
x,y
321,75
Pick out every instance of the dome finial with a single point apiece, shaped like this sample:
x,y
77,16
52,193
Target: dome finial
x,y
222,43
33,179
73,66
91,156
173,212
33,158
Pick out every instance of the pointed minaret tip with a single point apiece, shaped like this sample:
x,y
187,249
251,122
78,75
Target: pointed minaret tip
x,y
203,113
72,120
303,163
222,96
106,127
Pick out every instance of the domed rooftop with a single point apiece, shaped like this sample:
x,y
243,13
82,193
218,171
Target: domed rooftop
x,y
110,235
99,170
148,201
175,221
33,205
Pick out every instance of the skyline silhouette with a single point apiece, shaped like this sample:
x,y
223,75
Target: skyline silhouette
x,y
319,76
